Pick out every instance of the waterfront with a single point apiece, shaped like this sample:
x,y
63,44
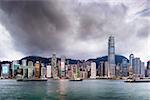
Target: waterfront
x,y
67,90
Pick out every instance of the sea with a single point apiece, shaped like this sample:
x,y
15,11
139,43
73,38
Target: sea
x,y
74,90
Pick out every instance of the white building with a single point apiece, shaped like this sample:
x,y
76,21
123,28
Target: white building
x,y
93,70
24,62
49,71
30,69
43,71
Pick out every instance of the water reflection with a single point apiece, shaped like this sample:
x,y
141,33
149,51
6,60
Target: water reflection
x,y
62,89
57,89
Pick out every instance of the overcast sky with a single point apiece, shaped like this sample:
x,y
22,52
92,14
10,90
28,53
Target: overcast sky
x,y
75,28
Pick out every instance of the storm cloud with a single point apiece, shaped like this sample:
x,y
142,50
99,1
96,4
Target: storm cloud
x,y
76,28
35,26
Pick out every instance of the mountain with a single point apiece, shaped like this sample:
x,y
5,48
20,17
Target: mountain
x,y
44,60
118,59
36,58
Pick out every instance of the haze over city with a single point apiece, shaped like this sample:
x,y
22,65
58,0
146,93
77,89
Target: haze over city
x,y
75,28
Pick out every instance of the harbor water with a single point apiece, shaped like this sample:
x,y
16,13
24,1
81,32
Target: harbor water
x,y
70,90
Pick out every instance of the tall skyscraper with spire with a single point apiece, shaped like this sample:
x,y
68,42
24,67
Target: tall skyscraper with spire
x,y
111,57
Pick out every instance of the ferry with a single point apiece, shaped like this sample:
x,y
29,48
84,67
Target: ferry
x,y
137,80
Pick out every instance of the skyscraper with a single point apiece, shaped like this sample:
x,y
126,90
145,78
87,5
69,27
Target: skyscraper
x,y
130,67
25,68
111,57
62,65
136,66
43,71
106,69
142,69
5,70
148,69
54,66
37,70
102,68
49,74
30,69
93,70
24,62
131,57
124,68
15,66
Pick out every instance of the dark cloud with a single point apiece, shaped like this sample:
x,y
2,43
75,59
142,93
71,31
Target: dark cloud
x,y
70,27
36,26
145,12
97,20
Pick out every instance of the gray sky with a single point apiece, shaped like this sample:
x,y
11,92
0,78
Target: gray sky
x,y
75,28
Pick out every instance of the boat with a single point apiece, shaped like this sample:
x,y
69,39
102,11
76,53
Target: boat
x,y
77,79
25,80
137,80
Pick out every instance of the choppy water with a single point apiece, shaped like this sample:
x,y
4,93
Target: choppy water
x,y
67,90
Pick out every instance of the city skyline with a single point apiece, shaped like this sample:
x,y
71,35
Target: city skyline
x,y
62,68
72,31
